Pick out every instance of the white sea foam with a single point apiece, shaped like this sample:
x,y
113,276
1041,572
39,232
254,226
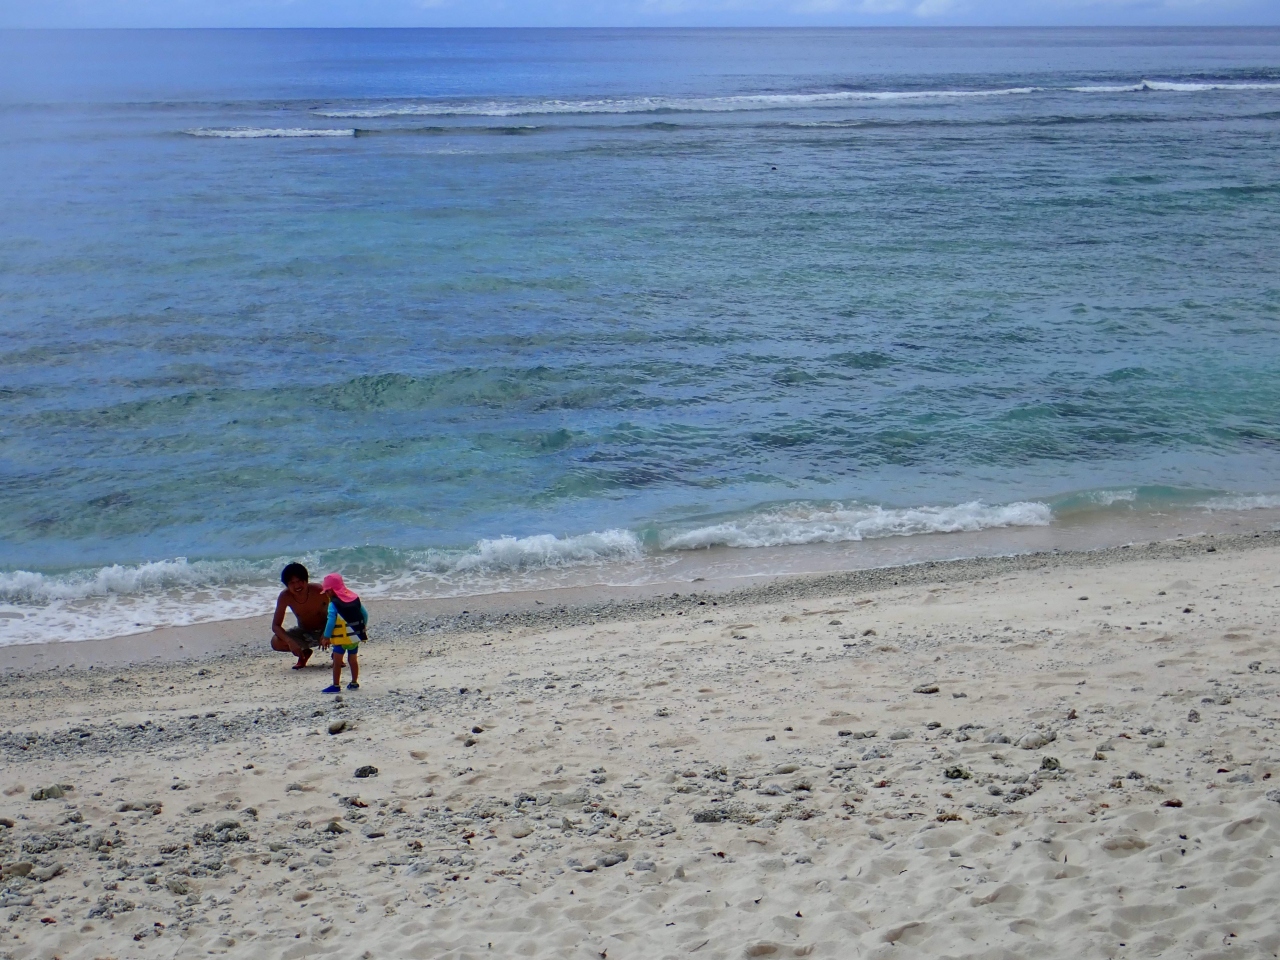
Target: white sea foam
x,y
1170,86
1243,502
539,552
762,101
838,523
656,104
1161,86
122,599
258,133
1107,498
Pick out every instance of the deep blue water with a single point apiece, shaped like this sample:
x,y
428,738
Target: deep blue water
x,y
386,294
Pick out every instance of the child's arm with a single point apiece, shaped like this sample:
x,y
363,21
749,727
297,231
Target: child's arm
x,y
329,625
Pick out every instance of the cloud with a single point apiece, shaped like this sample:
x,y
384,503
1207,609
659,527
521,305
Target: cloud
x,y
934,8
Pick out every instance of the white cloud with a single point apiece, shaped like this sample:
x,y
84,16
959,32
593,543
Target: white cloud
x,y
934,8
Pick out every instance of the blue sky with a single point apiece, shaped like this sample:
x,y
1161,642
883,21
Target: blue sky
x,y
653,13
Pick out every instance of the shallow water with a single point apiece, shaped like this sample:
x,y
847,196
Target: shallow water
x,y
576,303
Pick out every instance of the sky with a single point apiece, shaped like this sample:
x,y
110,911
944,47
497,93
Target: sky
x,y
625,13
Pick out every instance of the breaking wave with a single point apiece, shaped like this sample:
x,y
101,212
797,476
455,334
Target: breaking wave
x,y
804,523
259,133
761,101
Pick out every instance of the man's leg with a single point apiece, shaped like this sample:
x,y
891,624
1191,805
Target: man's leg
x,y
292,643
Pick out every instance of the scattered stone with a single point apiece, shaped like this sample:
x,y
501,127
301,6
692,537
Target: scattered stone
x,y
333,826
900,735
784,768
1273,796
996,737
1193,716
864,734
1255,666
44,874
1124,843
844,733
53,792
1172,803
6,822
24,867
957,773
178,887
611,859
960,696
572,798
1036,739
995,790
521,829
1156,744
1050,763
141,806
336,727
662,712
712,815
925,688
368,770
876,835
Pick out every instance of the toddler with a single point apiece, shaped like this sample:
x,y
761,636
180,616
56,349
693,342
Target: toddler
x,y
344,630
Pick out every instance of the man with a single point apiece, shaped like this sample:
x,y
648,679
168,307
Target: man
x,y
310,604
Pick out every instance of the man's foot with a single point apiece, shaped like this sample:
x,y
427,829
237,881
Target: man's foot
x,y
353,685
332,688
302,659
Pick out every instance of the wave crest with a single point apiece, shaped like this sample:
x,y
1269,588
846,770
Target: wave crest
x,y
803,524
758,101
259,133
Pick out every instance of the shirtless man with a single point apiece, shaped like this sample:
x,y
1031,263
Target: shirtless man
x,y
310,604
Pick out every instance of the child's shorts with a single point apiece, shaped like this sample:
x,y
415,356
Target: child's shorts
x,y
346,648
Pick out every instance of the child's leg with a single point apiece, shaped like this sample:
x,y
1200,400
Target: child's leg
x,y
355,667
337,667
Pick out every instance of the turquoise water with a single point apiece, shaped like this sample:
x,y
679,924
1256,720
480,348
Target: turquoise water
x,y
445,308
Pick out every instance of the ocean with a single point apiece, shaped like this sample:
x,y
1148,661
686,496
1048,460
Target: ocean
x,y
464,311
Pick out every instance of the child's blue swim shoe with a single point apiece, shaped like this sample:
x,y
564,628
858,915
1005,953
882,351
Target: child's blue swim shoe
x,y
353,685
332,688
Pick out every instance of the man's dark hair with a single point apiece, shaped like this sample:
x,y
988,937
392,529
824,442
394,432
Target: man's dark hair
x,y
294,571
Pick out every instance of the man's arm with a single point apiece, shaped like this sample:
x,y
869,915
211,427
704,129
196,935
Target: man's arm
x,y
277,621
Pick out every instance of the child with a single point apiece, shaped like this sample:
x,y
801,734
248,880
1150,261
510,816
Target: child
x,y
344,630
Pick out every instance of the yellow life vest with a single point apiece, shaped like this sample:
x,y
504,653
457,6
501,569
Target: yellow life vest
x,y
343,635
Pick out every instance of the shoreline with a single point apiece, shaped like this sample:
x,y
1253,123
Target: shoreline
x,y
968,759
575,606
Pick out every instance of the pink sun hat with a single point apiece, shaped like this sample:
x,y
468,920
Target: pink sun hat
x,y
333,583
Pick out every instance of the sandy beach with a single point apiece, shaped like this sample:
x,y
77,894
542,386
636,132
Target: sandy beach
x,y
1056,755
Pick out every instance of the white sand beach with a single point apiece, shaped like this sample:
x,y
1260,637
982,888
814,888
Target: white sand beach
x,y
1051,756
